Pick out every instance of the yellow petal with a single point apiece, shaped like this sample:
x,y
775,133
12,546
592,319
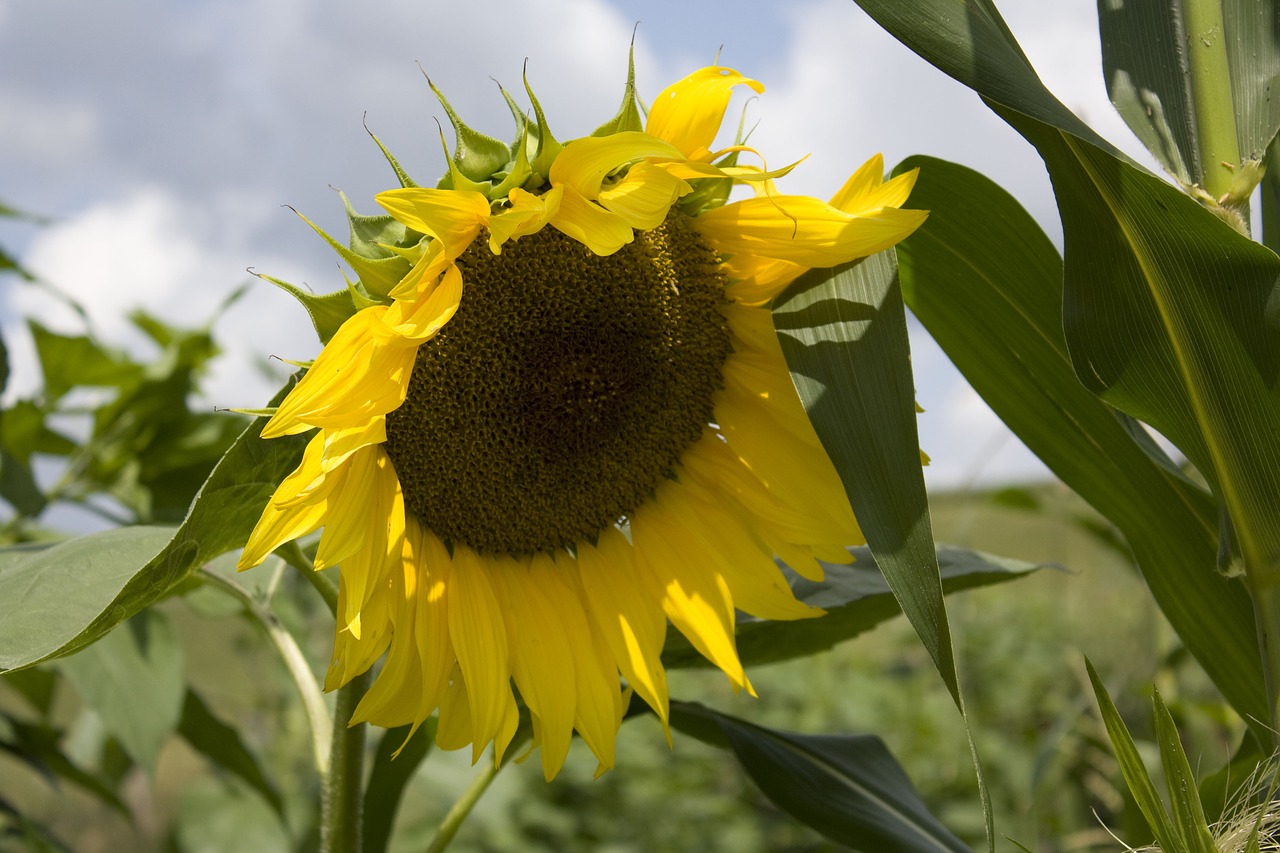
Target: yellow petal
x,y
478,630
867,190
278,524
542,658
528,214
804,230
644,195
418,321
360,374
454,217
435,650
695,599
584,163
631,622
688,113
590,224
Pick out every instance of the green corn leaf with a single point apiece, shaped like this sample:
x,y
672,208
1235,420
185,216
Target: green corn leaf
x,y
1184,794
1134,771
997,315
849,788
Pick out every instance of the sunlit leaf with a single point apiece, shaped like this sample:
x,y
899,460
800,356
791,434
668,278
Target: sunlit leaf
x,y
997,315
65,597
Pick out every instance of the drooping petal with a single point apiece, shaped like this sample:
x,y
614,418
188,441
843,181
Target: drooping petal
x,y
696,600
278,524
528,214
804,230
454,217
688,113
542,657
361,373
866,188
643,197
590,224
584,163
478,630
630,620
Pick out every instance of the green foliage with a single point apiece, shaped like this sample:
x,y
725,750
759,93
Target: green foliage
x,y
998,315
849,788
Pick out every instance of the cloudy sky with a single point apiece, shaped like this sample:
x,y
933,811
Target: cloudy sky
x,y
165,137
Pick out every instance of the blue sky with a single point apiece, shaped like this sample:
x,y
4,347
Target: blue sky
x,y
164,138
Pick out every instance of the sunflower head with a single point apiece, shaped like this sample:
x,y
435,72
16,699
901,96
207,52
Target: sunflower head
x,y
551,418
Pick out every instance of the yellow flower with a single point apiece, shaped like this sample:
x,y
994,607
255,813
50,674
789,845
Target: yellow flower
x,y
569,422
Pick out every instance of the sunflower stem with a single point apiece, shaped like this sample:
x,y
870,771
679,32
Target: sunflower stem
x,y
341,809
292,554
462,807
295,662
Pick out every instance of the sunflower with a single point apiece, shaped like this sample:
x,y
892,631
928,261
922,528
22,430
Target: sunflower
x,y
557,418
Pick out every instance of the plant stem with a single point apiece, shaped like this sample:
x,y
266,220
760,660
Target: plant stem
x,y
1211,97
341,809
295,663
292,554
463,805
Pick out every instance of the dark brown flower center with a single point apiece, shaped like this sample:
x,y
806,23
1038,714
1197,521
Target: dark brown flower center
x,y
563,391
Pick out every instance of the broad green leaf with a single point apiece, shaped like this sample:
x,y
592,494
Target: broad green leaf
x,y
1166,317
133,680
997,315
1184,795
856,599
849,788
66,597
40,747
17,485
1152,60
37,686
1134,771
394,763
1270,198
70,360
844,335
1144,64
222,745
217,815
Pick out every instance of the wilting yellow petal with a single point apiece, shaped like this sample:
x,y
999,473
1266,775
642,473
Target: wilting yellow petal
x,y
360,373
688,113
454,217
419,321
590,224
804,230
695,599
280,524
644,196
528,214
584,163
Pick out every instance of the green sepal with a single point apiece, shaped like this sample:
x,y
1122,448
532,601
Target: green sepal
x,y
378,275
520,172
401,175
454,179
359,298
256,413
373,237
548,147
711,193
477,156
327,312
628,115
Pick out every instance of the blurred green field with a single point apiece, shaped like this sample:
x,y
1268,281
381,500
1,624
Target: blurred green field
x,y
1020,648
